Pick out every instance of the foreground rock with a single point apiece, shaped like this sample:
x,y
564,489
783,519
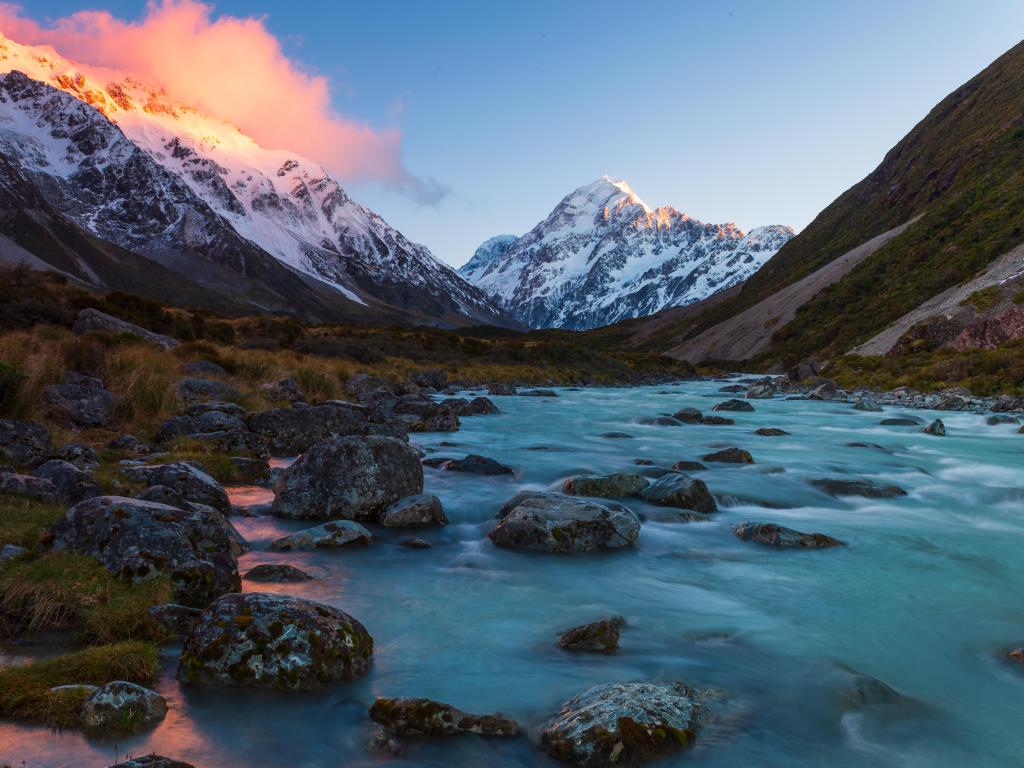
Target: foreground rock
x,y
835,486
354,478
615,486
122,706
423,718
260,640
678,490
91,320
277,572
186,479
555,523
337,534
597,637
730,456
414,512
783,538
139,540
24,443
625,724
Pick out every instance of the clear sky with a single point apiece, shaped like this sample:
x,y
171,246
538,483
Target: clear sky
x,y
755,112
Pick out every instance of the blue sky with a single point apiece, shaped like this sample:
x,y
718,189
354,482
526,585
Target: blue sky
x,y
753,112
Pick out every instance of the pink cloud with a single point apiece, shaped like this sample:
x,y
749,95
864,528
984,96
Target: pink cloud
x,y
234,69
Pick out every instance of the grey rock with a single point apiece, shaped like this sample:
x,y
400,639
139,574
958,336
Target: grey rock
x,y
203,368
8,551
477,465
414,511
90,320
733,405
29,487
901,421
770,432
936,428
555,523
337,534
716,421
285,390
688,416
128,443
193,389
24,443
416,543
138,540
152,761
659,421
617,485
176,619
443,419
781,537
122,705
81,456
355,478
676,489
835,486
424,718
162,494
221,406
597,637
71,484
730,456
260,640
435,378
276,572
500,389
867,404
185,478
761,392
288,431
537,393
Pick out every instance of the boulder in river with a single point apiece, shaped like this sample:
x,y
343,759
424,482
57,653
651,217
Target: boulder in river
x,y
901,421
537,393
261,640
867,404
597,637
443,419
554,523
616,436
475,464
760,392
24,443
688,416
838,486
186,479
414,511
716,421
337,534
277,572
1016,654
122,706
936,428
770,432
730,456
614,486
424,718
676,489
138,540
733,405
733,389
354,478
90,320
152,760
684,465
784,538
659,421
478,406
860,691
496,389
625,724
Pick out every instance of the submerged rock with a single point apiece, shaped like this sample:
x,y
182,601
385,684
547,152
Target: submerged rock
x,y
770,432
537,393
276,572
835,486
625,724
477,465
617,485
659,421
616,436
423,718
555,523
902,421
355,478
733,405
865,691
678,490
415,543
716,421
598,637
730,456
685,465
414,511
936,428
122,706
138,540
261,640
784,538
761,392
867,404
337,534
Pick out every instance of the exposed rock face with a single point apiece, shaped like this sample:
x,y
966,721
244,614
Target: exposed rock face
x,y
277,572
783,538
414,511
138,540
477,465
554,523
992,332
423,718
625,724
732,405
24,443
261,640
354,478
836,486
730,456
90,320
614,486
678,490
598,637
71,484
337,534
122,706
288,431
186,479
81,401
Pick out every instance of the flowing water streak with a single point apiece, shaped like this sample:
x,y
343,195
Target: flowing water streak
x,y
925,597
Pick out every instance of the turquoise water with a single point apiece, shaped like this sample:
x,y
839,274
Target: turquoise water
x,y
926,597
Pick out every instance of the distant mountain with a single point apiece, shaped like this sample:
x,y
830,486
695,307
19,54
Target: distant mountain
x,y
125,163
920,252
602,255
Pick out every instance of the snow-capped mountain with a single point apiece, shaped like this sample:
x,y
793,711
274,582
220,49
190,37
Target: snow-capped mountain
x,y
130,165
602,255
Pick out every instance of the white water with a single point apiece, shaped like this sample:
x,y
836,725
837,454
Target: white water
x,y
926,597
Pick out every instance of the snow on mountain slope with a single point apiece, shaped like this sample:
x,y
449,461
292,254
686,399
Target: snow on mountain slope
x,y
602,255
287,205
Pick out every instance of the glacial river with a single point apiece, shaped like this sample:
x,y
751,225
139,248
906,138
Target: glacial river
x,y
927,597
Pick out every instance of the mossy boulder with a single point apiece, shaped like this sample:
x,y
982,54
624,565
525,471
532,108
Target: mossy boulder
x,y
354,478
424,509
618,485
122,706
71,483
261,640
424,718
555,523
781,537
597,637
185,478
839,486
730,456
625,724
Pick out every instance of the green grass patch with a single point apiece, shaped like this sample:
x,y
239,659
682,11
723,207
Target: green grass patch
x,y
983,300
63,590
25,690
23,521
